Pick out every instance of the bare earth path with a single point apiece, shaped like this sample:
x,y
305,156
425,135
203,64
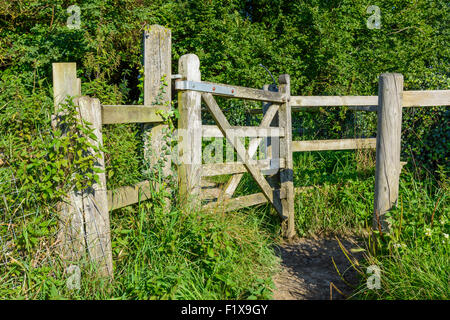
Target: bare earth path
x,y
307,270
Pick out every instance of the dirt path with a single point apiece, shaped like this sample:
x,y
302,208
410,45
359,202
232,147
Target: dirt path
x,y
307,270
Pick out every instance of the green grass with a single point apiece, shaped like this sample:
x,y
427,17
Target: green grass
x,y
181,254
413,258
337,199
191,255
185,254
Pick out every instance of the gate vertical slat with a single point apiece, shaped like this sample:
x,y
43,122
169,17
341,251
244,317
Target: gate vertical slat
x,y
287,173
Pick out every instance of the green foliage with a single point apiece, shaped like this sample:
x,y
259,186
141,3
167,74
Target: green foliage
x,y
326,48
190,255
335,194
413,256
41,164
428,139
161,254
123,156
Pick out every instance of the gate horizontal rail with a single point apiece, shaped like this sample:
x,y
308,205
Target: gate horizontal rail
x,y
338,144
230,91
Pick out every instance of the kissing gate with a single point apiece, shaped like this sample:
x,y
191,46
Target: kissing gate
x,y
279,189
84,216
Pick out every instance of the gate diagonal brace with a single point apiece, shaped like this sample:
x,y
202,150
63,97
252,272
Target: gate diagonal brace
x,y
272,196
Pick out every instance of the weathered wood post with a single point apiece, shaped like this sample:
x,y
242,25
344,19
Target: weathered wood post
x,y
71,230
95,201
84,216
189,132
272,146
65,82
157,91
287,173
390,94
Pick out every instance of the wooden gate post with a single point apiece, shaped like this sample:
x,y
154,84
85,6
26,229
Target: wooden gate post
x,y
390,94
287,173
157,65
189,133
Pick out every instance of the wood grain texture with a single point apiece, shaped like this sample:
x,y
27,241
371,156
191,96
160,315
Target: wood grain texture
x,y
270,115
321,101
114,114
210,193
318,109
388,167
190,132
157,66
211,131
71,235
237,203
338,144
426,98
219,169
250,93
224,126
128,195
65,82
94,198
287,173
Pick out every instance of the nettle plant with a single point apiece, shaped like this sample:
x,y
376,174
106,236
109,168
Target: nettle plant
x,y
42,165
73,150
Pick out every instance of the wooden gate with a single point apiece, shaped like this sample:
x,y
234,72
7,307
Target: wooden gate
x,y
278,188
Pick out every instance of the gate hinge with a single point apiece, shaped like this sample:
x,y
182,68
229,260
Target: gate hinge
x,y
204,87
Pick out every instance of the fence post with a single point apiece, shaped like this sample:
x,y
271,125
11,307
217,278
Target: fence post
x,y
390,93
95,201
70,235
65,82
189,132
157,66
84,216
287,173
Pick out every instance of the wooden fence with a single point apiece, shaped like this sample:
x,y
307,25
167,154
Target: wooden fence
x,y
273,175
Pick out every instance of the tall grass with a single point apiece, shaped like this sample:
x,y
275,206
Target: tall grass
x,y
334,194
191,255
186,254
160,254
413,257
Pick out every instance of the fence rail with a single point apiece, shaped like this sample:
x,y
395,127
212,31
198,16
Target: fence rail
x,y
114,114
420,98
